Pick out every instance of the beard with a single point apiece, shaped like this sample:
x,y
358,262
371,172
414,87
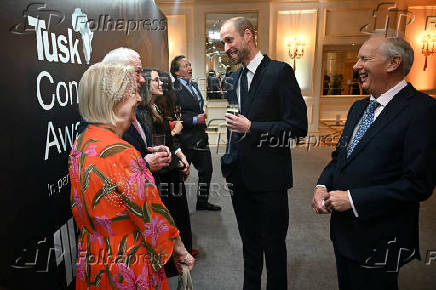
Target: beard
x,y
241,54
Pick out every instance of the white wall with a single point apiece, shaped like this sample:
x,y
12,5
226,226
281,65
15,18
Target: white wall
x,y
335,22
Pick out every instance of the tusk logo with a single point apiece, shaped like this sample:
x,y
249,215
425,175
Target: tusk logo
x,y
54,46
80,24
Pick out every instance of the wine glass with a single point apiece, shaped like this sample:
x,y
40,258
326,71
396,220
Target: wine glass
x,y
158,139
233,109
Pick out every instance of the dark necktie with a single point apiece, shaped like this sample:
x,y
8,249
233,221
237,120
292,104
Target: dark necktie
x,y
243,89
367,119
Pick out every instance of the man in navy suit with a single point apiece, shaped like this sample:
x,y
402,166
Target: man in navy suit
x,y
194,139
257,164
383,166
138,134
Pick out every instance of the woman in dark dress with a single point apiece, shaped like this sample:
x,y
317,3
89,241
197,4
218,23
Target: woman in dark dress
x,y
157,109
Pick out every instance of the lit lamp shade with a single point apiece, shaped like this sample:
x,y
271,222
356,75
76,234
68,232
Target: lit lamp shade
x,y
295,44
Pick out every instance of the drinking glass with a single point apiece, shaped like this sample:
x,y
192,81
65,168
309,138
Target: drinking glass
x,y
158,139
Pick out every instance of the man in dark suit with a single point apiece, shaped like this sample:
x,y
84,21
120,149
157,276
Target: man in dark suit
x,y
194,139
257,163
383,166
140,137
138,134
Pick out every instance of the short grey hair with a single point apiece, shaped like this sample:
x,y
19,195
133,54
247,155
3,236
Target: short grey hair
x,y
101,88
395,46
121,55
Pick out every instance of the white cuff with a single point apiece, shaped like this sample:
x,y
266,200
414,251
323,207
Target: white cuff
x,y
323,201
352,204
177,151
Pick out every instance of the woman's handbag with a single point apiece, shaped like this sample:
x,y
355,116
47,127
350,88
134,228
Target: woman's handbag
x,y
185,280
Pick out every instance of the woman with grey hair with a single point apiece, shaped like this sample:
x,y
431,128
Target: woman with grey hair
x,y
126,233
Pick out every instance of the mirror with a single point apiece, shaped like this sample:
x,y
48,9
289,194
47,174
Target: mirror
x,y
218,65
338,77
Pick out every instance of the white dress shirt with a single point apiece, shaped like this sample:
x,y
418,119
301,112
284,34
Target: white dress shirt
x,y
140,131
252,66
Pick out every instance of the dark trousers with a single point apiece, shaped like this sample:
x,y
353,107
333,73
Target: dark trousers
x,y
263,220
173,195
202,161
352,276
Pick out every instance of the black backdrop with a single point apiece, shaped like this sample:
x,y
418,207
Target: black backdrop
x,y
44,51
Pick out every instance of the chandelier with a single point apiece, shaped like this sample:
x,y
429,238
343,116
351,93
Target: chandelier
x,y
428,46
296,48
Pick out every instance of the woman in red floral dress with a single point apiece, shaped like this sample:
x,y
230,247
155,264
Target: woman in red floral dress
x,y
126,233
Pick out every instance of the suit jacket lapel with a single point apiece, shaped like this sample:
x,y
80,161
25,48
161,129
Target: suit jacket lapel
x,y
135,134
394,107
255,83
353,120
232,95
195,85
186,92
232,98
144,128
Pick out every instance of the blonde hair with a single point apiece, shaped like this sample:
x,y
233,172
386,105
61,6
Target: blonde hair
x,y
102,86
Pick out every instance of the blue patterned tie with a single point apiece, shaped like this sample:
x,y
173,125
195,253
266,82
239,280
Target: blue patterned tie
x,y
193,89
367,119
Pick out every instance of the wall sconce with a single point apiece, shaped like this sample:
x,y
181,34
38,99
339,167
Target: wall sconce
x,y
296,48
428,46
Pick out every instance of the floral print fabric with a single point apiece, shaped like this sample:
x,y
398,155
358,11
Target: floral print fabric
x,y
126,233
